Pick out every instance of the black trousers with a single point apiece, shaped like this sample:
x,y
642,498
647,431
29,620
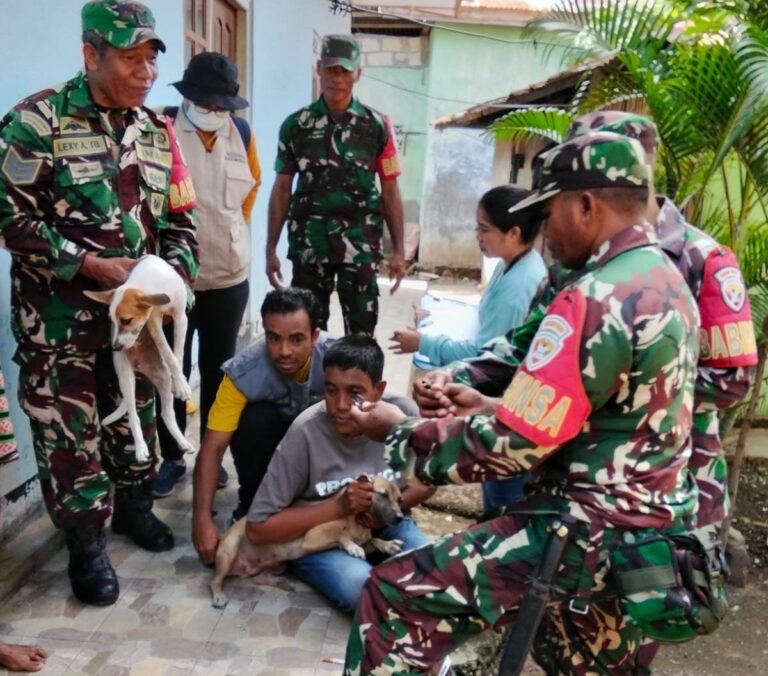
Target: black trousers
x,y
216,318
262,426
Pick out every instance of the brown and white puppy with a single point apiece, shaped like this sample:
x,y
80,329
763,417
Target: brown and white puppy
x,y
152,291
236,555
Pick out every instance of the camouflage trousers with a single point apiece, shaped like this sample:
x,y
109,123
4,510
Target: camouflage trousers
x,y
419,606
357,288
65,395
600,640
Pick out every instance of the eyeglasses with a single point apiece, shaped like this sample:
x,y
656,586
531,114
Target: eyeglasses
x,y
205,110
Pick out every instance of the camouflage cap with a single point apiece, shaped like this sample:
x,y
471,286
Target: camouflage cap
x,y
340,50
596,160
122,24
619,122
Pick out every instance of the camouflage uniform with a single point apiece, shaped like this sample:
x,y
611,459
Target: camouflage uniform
x,y
601,411
722,381
77,179
335,220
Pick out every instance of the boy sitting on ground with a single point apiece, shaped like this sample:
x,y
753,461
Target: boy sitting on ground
x,y
322,452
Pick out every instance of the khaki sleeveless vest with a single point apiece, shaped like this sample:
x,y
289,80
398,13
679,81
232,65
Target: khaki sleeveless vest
x,y
222,180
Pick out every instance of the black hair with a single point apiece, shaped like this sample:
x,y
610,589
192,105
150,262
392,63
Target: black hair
x,y
356,351
291,299
91,37
496,204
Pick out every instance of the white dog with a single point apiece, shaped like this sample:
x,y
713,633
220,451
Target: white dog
x,y
137,307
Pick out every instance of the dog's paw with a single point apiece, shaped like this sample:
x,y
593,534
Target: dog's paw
x,y
142,451
220,600
354,550
391,547
181,389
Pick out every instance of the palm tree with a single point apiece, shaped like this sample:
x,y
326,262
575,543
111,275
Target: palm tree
x,y
699,68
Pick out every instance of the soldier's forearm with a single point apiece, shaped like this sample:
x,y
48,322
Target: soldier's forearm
x,y
392,207
279,201
178,245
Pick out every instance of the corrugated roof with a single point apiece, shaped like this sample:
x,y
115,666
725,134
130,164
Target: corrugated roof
x,y
481,114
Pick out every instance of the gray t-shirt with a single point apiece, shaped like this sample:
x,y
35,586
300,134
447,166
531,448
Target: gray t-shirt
x,y
313,461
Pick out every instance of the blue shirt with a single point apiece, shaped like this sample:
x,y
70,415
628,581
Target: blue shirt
x,y
503,306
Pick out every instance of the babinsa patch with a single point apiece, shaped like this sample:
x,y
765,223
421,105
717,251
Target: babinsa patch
x,y
546,402
727,333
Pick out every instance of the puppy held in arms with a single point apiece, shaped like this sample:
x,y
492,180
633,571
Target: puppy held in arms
x,y
236,555
152,291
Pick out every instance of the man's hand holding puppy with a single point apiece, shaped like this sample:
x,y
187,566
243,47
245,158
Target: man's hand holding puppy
x,y
108,272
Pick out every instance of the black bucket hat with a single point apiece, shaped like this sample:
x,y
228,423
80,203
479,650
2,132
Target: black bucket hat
x,y
211,78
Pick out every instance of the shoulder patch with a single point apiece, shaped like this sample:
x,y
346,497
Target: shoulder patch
x,y
732,289
20,171
727,333
37,122
546,402
548,341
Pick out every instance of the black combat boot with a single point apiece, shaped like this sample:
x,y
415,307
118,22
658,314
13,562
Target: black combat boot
x,y
132,516
93,579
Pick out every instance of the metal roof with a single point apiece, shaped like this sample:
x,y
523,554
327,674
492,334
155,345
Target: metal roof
x,y
555,90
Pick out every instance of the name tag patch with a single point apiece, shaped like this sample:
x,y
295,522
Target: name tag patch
x,y
79,146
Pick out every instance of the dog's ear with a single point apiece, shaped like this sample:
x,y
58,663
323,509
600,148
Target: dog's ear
x,y
155,299
101,296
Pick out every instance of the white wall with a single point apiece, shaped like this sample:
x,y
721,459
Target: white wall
x,y
41,47
284,49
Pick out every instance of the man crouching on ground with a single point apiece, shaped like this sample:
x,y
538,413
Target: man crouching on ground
x,y
323,451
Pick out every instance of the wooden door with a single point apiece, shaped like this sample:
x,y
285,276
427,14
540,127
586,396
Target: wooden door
x,y
224,29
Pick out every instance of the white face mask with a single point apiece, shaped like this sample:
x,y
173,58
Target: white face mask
x,y
206,119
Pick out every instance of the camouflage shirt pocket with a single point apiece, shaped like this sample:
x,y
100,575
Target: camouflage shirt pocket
x,y
83,191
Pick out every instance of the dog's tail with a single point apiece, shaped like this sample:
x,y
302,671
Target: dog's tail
x,y
118,413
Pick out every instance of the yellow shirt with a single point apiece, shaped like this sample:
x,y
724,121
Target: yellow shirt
x,y
225,413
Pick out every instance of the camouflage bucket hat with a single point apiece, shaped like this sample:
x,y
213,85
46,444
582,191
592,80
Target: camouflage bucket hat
x,y
122,24
596,160
340,50
619,122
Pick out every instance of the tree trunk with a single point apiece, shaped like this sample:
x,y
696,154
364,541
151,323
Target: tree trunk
x,y
741,444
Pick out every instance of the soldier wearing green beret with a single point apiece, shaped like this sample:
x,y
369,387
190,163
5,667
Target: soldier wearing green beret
x,y
335,214
91,181
586,413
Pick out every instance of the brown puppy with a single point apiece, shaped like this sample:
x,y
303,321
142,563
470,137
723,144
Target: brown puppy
x,y
237,556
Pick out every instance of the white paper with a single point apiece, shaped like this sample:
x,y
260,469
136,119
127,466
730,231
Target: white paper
x,y
457,319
